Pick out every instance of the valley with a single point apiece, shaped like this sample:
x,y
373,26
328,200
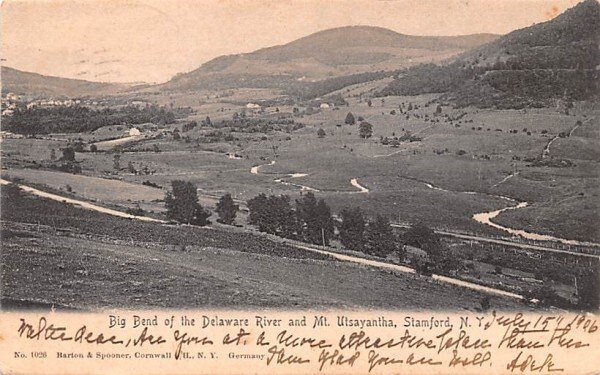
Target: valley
x,y
429,134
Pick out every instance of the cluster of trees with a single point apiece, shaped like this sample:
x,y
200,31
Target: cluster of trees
x,y
183,206
309,219
394,141
76,119
365,129
240,123
374,237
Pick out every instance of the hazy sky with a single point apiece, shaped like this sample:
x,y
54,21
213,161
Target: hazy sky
x,y
151,40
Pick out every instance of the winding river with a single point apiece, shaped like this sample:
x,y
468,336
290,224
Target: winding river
x,y
354,182
484,218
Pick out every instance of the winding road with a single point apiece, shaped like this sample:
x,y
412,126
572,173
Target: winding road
x,y
82,204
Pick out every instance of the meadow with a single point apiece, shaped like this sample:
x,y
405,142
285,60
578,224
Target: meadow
x,y
466,160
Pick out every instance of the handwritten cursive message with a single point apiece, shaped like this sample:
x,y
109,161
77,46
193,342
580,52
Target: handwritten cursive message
x,y
361,343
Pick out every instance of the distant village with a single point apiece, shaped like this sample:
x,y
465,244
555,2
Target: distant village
x,y
12,101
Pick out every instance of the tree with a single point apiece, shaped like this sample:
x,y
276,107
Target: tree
x,y
588,284
350,120
321,133
116,162
131,168
438,109
227,209
352,228
323,224
93,148
208,121
369,102
68,154
315,224
365,130
183,206
258,211
443,260
423,237
380,239
53,154
273,214
282,216
176,135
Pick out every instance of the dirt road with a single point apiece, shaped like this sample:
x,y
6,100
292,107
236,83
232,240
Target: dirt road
x,y
343,257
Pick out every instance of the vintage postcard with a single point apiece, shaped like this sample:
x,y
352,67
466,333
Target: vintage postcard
x,y
300,187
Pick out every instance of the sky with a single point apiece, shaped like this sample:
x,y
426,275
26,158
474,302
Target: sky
x,y
152,40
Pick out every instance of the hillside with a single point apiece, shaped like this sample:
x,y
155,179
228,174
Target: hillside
x,y
38,85
336,52
530,66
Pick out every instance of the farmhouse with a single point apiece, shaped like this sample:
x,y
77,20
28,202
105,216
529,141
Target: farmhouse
x,y
134,132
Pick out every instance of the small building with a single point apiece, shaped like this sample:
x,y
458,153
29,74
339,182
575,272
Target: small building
x,y
324,106
134,132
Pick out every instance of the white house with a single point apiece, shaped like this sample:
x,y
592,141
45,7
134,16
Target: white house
x,y
134,132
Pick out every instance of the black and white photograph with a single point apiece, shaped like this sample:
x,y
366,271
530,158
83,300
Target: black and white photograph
x,y
355,155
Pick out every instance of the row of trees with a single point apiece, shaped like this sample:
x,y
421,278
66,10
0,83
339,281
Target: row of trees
x,y
310,220
77,119
183,206
373,237
306,219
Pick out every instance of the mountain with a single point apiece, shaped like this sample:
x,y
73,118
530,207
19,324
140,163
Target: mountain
x,y
335,52
37,85
527,67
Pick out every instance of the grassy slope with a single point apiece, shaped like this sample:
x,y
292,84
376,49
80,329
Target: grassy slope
x,y
98,262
